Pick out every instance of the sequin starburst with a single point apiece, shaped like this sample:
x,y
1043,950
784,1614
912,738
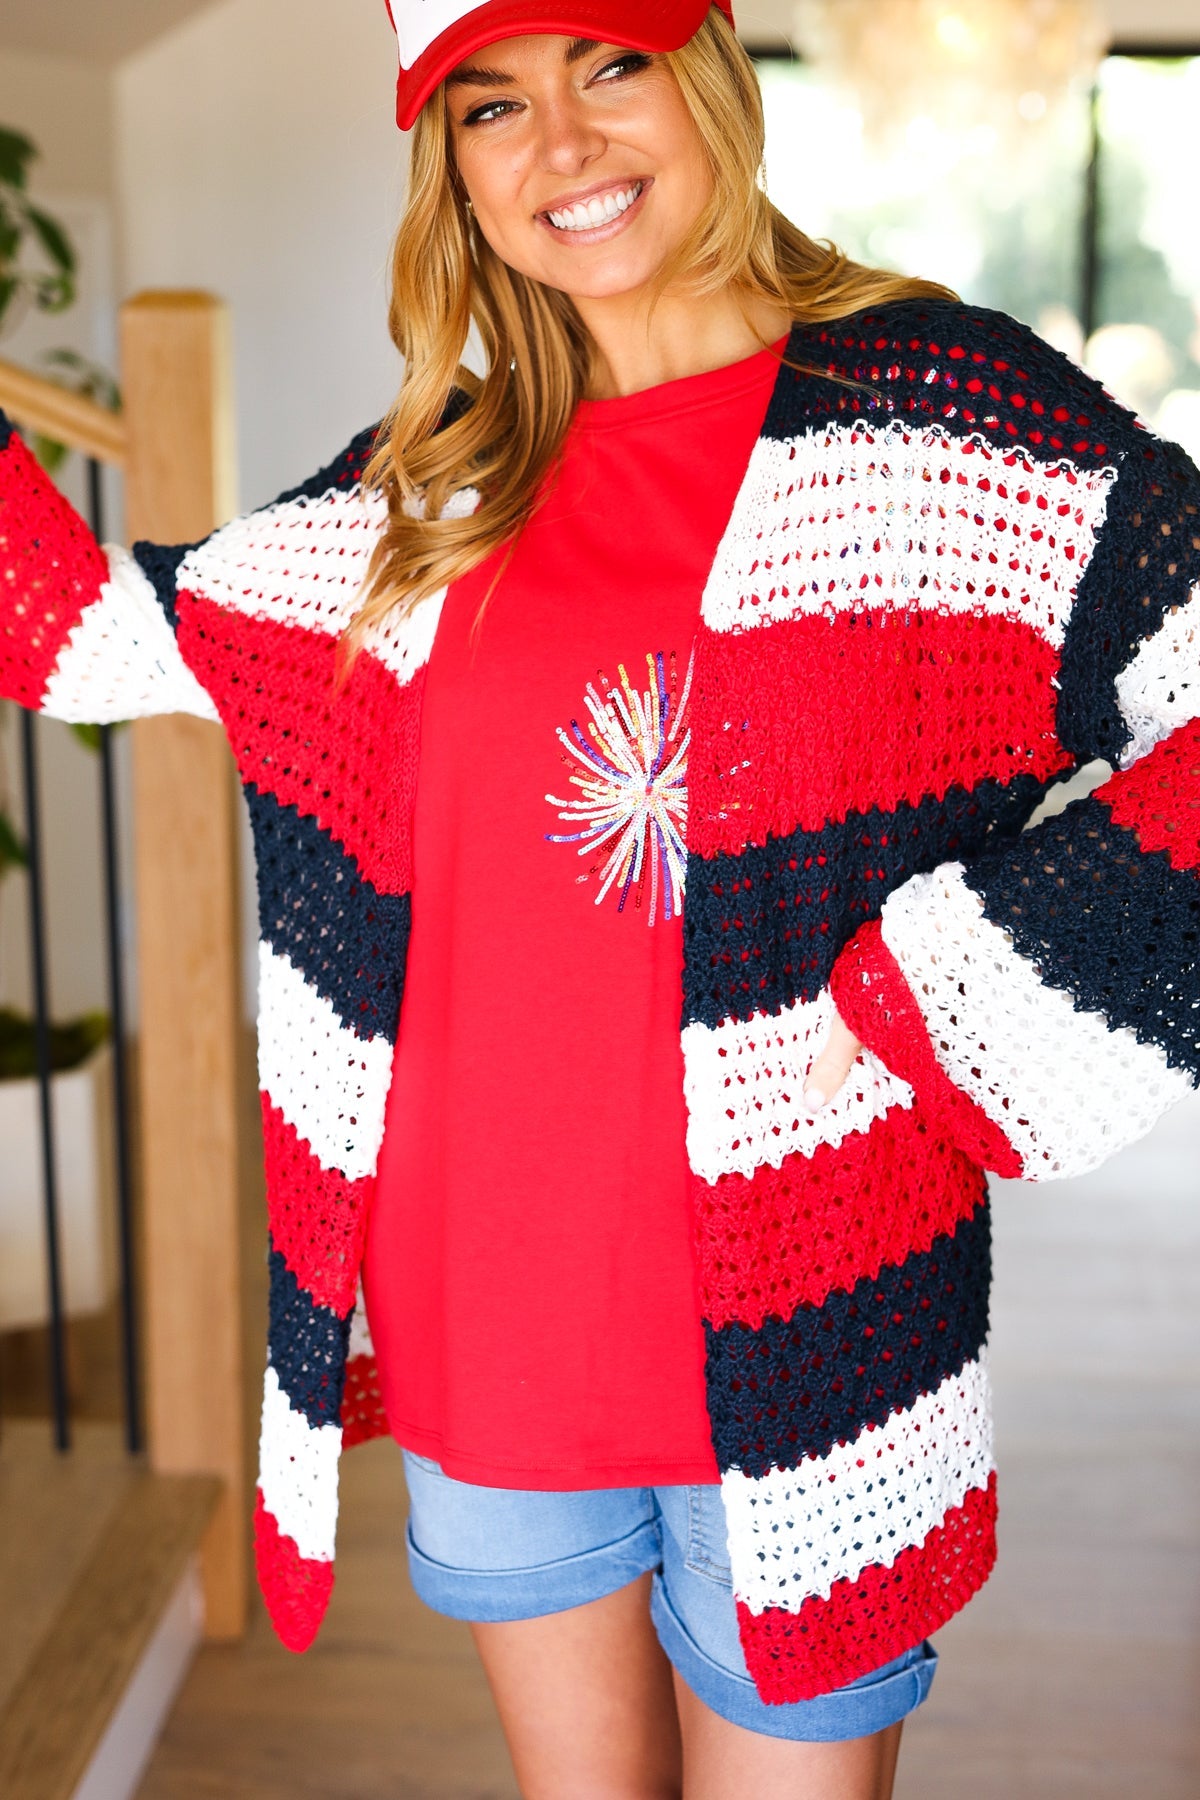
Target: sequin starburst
x,y
629,765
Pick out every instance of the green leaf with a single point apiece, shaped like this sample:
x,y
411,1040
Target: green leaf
x,y
62,358
12,223
71,1043
16,153
52,293
8,292
72,370
48,452
53,239
88,735
12,850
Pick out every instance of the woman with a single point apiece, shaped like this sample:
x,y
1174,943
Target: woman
x,y
742,574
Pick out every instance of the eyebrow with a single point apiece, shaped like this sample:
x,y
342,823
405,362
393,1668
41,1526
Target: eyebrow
x,y
478,76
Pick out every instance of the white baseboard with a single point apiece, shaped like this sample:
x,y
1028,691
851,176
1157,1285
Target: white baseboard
x,y
123,1752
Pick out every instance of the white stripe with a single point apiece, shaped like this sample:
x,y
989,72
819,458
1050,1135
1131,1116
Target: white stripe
x,y
121,661
890,516
419,22
303,562
744,1086
1065,1087
330,1085
1159,688
794,1532
297,1473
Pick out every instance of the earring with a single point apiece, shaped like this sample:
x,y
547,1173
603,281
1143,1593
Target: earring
x,y
470,208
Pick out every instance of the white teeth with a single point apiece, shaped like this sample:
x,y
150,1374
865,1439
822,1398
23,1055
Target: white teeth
x,y
599,210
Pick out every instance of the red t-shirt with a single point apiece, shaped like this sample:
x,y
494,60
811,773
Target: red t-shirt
x,y
530,1274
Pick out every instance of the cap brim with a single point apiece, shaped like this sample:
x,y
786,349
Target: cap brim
x,y
659,25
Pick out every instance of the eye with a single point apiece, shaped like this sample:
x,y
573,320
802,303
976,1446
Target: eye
x,y
621,66
491,109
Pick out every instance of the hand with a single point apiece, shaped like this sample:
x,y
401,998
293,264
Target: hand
x,y
831,1068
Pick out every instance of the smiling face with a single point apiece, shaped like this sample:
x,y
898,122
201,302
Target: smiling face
x,y
581,161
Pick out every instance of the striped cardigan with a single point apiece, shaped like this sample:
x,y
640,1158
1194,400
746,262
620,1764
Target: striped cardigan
x,y
956,570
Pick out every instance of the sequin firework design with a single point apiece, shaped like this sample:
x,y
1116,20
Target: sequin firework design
x,y
629,765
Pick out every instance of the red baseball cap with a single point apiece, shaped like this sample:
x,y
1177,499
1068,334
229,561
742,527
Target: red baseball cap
x,y
435,35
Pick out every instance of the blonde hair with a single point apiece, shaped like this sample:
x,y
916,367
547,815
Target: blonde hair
x,y
503,436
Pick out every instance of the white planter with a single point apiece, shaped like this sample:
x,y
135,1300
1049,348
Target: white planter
x,y
86,1198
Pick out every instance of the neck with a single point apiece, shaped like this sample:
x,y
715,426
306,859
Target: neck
x,y
636,348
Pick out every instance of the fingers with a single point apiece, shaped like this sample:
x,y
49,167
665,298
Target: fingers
x,y
830,1069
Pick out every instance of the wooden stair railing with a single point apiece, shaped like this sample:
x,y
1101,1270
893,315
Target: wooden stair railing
x,y
68,418
174,441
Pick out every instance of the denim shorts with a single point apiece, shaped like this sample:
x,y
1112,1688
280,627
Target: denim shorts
x,y
491,1554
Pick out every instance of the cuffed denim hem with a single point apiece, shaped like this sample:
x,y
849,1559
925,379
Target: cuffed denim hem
x,y
865,1706
497,1596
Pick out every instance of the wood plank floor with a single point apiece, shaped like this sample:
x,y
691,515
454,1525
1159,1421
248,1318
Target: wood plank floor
x,y
1074,1676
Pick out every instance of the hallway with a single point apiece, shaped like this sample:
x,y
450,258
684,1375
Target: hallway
x,y
1074,1676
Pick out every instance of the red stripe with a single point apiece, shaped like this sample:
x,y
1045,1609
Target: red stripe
x,y
787,1237
881,1614
875,1000
318,1219
343,751
819,717
363,1416
1159,797
53,570
295,1588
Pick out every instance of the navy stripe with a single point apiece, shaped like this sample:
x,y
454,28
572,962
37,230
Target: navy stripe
x,y
1109,923
918,359
1147,557
796,1388
315,908
160,563
7,429
763,929
341,475
307,1347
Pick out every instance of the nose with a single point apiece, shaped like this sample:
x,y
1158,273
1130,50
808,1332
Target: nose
x,y
569,139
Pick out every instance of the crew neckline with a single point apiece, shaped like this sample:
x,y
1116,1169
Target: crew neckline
x,y
683,394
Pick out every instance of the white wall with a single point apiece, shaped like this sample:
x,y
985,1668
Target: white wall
x,y
257,155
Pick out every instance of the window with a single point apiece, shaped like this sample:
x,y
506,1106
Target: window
x,y
1090,235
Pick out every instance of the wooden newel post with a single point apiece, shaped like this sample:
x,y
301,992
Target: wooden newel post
x,y
177,381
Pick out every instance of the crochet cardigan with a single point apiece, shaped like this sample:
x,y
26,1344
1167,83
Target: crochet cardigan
x,y
956,570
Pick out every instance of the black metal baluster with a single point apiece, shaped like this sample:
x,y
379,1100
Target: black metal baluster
x,y
130,1370
41,1006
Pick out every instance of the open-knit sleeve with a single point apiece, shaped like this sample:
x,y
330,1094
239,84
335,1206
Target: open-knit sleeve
x,y
83,633
91,633
1044,998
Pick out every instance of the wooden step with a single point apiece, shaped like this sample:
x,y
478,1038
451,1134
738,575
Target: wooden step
x,y
53,1510
59,1709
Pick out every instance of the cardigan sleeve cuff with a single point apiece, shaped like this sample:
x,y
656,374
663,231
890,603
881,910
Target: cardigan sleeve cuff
x,y
876,1002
